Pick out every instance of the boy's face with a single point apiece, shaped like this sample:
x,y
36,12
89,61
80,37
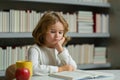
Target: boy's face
x,y
54,34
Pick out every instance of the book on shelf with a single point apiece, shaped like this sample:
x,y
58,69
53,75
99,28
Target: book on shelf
x,y
83,75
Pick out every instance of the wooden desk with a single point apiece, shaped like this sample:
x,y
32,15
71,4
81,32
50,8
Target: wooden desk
x,y
115,72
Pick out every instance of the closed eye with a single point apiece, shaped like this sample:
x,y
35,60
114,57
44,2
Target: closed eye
x,y
61,32
53,31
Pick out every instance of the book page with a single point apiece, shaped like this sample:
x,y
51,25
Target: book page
x,y
82,75
71,75
97,74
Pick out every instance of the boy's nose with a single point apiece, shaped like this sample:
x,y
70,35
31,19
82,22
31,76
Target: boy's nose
x,y
57,34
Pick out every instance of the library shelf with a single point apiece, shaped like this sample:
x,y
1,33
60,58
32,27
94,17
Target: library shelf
x,y
71,34
25,38
94,66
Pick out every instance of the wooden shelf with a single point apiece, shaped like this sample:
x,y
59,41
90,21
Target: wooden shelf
x,y
71,34
89,35
94,66
25,38
15,35
71,2
2,73
55,5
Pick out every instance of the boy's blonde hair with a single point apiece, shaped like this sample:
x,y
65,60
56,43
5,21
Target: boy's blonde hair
x,y
49,18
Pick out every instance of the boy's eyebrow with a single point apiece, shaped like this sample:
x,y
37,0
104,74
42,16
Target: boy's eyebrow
x,y
54,29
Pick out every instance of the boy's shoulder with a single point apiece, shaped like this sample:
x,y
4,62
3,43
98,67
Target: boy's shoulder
x,y
35,46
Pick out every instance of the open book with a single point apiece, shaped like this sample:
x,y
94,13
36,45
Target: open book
x,y
83,75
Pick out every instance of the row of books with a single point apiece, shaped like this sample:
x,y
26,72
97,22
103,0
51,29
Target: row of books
x,y
10,55
89,22
88,54
26,20
85,22
82,54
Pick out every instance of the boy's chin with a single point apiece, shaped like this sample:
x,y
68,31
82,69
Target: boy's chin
x,y
54,43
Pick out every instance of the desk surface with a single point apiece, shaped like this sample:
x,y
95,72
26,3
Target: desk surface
x,y
44,78
115,72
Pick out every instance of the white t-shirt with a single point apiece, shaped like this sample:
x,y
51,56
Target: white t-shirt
x,y
47,60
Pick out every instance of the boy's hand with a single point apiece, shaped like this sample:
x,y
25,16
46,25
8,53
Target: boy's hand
x,y
58,46
66,68
61,41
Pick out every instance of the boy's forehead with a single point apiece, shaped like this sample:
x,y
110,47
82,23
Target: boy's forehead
x,y
56,27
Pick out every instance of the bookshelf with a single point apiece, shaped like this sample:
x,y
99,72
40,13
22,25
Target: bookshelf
x,y
71,2
2,74
71,34
16,38
95,66
25,38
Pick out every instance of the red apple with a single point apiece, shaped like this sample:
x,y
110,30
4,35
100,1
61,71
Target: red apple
x,y
22,74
